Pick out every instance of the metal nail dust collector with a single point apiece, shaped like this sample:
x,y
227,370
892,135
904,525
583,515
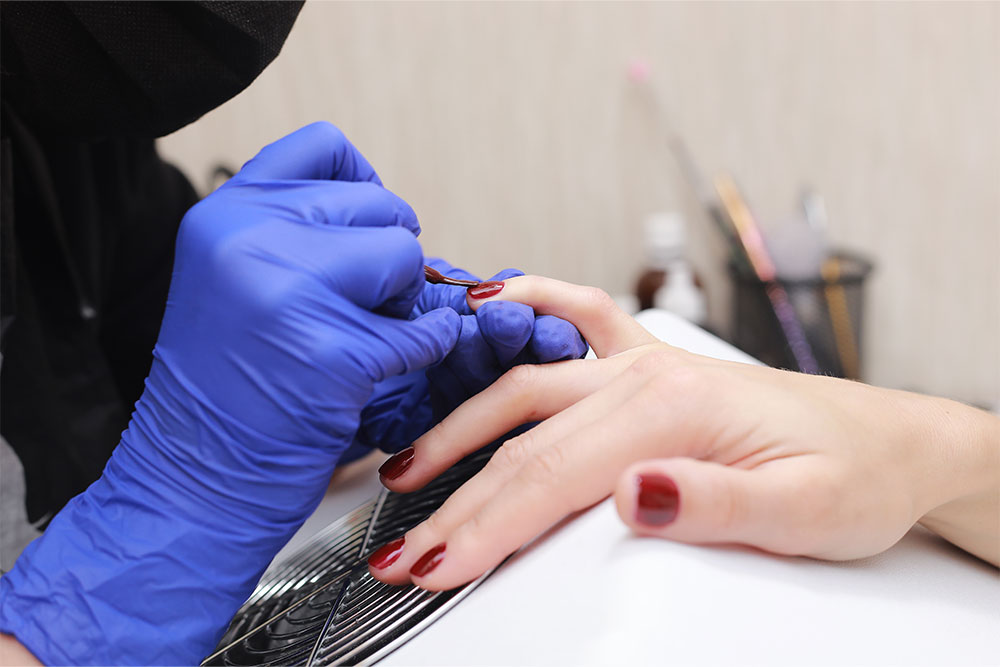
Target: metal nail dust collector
x,y
322,607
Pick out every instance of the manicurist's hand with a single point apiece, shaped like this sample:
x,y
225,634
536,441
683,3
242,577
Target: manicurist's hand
x,y
290,301
695,450
492,340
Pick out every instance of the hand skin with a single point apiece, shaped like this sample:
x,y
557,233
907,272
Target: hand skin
x,y
13,654
789,463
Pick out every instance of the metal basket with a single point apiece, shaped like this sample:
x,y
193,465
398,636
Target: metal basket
x,y
829,309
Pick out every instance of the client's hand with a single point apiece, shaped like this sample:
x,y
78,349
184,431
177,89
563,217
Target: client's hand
x,y
696,450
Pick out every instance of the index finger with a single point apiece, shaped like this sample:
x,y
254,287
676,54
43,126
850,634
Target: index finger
x,y
316,152
607,328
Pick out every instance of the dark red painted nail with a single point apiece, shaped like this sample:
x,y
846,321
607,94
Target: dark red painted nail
x,y
657,501
428,561
485,290
397,464
387,554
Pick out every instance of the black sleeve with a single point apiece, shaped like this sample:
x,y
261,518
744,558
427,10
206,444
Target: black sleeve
x,y
89,212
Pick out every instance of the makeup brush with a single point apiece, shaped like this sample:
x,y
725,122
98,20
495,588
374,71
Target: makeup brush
x,y
750,236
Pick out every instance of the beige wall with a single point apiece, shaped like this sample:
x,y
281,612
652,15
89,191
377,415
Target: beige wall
x,y
513,132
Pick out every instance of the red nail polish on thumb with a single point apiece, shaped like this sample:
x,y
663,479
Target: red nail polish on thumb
x,y
657,500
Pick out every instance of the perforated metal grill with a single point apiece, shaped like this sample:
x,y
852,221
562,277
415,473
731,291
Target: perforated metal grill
x,y
322,607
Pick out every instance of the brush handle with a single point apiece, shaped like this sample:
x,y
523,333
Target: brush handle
x,y
790,326
752,240
435,277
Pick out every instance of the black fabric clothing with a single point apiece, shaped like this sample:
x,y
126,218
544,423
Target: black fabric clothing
x,y
89,212
91,228
91,69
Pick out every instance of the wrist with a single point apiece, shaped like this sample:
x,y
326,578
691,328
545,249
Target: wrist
x,y
137,579
963,504
964,446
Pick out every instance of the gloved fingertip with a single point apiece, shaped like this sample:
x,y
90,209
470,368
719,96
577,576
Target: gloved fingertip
x,y
506,323
405,216
555,339
507,273
473,360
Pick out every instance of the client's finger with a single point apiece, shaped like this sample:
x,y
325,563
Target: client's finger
x,y
505,465
525,394
703,502
607,328
787,506
565,476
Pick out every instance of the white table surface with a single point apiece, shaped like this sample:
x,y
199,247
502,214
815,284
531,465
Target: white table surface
x,y
588,592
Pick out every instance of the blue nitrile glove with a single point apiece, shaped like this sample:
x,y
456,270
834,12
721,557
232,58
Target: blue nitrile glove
x,y
274,336
494,339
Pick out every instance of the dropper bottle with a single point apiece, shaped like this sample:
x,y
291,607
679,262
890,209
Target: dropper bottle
x,y
669,282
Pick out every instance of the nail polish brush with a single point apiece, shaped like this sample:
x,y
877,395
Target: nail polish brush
x,y
435,277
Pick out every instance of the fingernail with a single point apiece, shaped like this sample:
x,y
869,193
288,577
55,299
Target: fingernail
x,y
397,464
485,290
387,554
657,500
428,561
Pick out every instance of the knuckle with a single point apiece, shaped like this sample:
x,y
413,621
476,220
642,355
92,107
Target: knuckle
x,y
514,453
427,533
520,380
597,299
546,468
432,524
328,132
654,363
200,226
474,528
678,380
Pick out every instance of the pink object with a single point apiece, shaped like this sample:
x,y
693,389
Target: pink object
x,y
638,70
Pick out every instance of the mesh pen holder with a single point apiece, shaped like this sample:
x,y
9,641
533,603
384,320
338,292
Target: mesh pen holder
x,y
829,309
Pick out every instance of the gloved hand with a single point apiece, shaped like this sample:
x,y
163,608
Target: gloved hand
x,y
494,339
283,315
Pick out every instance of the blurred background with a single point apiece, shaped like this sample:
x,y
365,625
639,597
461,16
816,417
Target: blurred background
x,y
539,136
